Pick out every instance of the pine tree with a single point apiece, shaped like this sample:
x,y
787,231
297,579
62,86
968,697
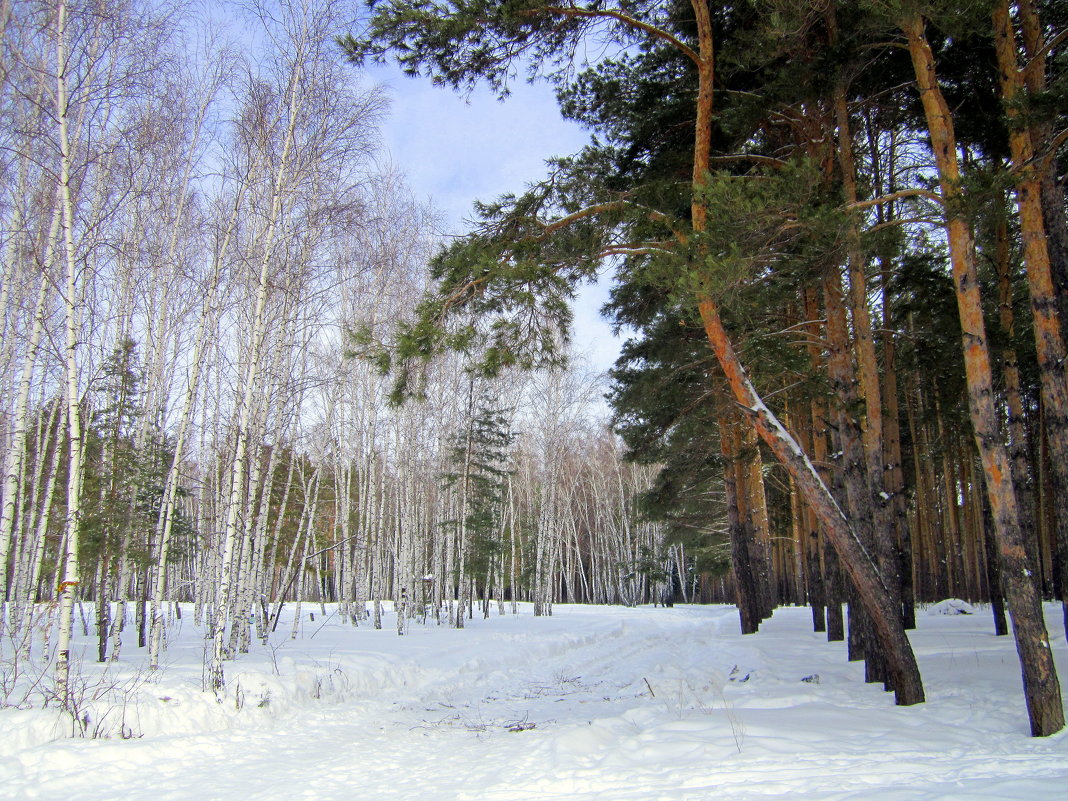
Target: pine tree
x,y
514,274
479,460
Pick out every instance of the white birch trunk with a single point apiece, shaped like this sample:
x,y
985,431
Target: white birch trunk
x,y
250,386
71,576
16,451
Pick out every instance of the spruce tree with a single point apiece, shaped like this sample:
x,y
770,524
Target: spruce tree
x,y
479,458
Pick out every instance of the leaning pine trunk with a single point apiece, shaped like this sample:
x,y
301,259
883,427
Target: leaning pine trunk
x,y
857,561
872,593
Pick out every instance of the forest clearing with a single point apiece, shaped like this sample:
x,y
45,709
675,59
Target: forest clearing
x,y
596,703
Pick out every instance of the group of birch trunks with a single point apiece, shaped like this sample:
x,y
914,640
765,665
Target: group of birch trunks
x,y
188,237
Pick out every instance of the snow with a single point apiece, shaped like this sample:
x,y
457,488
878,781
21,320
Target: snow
x,y
951,606
593,703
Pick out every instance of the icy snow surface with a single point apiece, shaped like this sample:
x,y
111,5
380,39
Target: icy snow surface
x,y
592,703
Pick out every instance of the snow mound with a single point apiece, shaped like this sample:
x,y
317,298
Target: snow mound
x,y
951,606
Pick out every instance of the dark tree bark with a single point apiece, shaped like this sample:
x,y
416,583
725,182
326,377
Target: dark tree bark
x,y
746,587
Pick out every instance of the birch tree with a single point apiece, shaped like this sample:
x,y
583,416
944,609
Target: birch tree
x,y
302,127
97,69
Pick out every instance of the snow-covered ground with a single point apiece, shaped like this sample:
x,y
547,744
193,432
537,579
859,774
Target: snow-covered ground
x,y
597,703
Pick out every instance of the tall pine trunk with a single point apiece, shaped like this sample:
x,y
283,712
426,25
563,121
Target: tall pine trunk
x,y
746,586
1049,341
1041,687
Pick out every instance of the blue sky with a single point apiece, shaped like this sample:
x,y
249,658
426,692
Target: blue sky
x,y
456,150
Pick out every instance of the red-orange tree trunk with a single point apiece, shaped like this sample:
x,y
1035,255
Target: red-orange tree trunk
x,y
1041,687
1049,341
856,560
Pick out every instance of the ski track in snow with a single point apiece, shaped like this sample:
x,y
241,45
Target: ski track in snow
x,y
613,705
